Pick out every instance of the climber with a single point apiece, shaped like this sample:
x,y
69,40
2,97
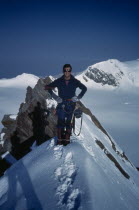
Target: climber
x,y
66,100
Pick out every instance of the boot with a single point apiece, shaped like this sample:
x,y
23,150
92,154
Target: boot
x,y
68,134
59,140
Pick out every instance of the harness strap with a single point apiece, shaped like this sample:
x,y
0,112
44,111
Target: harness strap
x,y
73,118
63,106
67,99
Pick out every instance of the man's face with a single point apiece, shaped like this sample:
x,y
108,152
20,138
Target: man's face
x,y
67,71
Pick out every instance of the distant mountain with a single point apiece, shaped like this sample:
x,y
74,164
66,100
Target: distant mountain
x,y
107,74
20,81
111,74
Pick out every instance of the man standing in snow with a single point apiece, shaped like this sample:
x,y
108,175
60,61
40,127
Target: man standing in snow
x,y
66,100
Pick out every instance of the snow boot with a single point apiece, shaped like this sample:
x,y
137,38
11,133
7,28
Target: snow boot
x,y
59,139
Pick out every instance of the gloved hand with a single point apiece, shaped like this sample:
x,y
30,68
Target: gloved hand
x,y
59,100
75,99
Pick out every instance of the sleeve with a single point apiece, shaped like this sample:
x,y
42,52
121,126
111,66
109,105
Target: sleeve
x,y
82,87
52,85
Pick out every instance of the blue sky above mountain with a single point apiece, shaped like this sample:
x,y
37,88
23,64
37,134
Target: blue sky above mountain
x,y
39,37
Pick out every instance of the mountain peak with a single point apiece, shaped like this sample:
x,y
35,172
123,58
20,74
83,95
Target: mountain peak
x,y
111,74
20,81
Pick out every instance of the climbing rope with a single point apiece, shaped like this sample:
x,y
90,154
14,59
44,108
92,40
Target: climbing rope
x,y
80,125
77,113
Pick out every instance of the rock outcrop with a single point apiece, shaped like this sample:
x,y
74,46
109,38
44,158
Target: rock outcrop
x,y
99,76
35,119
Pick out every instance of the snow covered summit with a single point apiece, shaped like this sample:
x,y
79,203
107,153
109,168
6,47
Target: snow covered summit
x,y
111,73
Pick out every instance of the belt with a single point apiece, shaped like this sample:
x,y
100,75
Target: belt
x,y
67,100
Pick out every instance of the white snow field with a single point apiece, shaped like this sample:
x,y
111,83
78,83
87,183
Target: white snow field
x,y
116,108
126,74
77,176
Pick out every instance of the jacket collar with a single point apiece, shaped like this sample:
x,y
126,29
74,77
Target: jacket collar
x,y
71,77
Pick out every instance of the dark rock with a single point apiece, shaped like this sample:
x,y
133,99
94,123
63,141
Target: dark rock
x,y
4,165
33,123
99,76
112,158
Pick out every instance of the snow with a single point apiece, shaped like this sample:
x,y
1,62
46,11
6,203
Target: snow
x,y
51,103
34,145
117,117
116,107
76,176
1,138
80,175
52,78
13,116
2,135
20,81
106,102
65,174
13,92
9,158
129,79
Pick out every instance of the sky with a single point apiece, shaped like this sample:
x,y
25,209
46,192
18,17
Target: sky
x,y
39,37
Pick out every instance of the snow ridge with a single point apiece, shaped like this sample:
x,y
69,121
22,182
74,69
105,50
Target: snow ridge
x,y
111,74
58,151
69,198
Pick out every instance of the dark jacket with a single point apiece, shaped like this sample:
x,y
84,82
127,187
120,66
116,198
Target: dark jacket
x,y
67,91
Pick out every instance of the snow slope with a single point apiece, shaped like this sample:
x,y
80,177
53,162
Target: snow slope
x,y
116,107
111,74
78,176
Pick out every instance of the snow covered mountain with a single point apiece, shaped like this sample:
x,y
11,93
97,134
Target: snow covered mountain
x,y
116,110
21,81
86,174
111,73
90,173
115,103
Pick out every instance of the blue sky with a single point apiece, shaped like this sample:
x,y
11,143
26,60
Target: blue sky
x,y
39,37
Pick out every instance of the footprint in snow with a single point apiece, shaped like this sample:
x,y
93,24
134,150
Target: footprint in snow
x,y
51,144
68,197
58,151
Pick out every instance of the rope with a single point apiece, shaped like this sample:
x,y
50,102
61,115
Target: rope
x,y
73,119
80,126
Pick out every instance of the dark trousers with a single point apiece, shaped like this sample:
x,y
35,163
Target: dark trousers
x,y
64,113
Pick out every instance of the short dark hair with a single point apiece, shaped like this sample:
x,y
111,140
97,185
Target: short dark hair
x,y
67,65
